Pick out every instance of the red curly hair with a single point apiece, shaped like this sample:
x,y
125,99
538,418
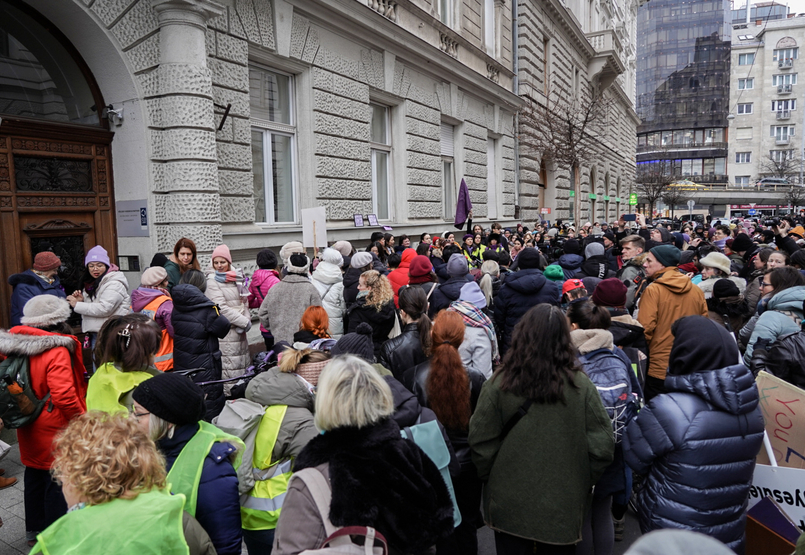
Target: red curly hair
x,y
316,321
448,384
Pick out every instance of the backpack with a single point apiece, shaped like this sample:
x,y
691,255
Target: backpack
x,y
18,408
609,374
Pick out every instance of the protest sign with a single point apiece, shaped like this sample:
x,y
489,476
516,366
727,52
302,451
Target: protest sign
x,y
314,227
783,406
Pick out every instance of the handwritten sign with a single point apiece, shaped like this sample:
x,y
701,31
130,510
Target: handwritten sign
x,y
783,407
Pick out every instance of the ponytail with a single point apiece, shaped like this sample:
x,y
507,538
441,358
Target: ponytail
x,y
448,385
414,302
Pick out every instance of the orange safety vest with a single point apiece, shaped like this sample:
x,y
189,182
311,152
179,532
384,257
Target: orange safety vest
x,y
164,357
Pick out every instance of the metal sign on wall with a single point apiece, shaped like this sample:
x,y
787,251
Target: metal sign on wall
x,y
132,218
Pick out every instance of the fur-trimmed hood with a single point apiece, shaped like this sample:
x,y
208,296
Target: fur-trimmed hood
x,y
26,341
587,341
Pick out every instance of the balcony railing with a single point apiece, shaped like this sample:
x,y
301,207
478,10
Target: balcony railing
x,y
783,114
677,147
779,141
784,89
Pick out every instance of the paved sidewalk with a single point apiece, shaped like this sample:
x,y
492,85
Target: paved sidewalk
x,y
12,509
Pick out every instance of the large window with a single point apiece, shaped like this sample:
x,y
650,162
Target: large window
x,y
779,156
446,11
743,157
273,145
381,161
746,59
784,79
748,83
448,171
785,54
783,105
782,132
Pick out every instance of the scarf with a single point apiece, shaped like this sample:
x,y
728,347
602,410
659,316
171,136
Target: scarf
x,y
160,289
234,276
474,318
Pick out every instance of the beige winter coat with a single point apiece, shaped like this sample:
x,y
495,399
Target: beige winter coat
x,y
235,346
111,299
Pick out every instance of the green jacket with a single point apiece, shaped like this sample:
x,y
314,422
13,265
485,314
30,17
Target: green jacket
x,y
539,479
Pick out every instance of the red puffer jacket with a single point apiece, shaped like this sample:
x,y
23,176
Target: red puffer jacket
x,y
56,368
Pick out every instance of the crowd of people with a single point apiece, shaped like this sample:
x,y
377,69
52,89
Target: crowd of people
x,y
566,372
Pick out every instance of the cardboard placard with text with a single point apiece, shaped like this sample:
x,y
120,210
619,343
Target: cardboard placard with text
x,y
783,406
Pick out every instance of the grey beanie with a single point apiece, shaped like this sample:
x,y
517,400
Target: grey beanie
x,y
593,249
457,265
360,260
45,310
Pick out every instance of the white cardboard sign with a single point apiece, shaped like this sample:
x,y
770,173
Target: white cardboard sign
x,y
314,227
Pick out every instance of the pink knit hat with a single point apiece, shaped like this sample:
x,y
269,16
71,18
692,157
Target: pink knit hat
x,y
223,252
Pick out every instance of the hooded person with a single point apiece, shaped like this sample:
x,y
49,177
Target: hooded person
x,y
264,278
329,282
698,442
42,279
521,291
153,299
595,263
286,302
358,264
399,275
449,291
479,349
571,259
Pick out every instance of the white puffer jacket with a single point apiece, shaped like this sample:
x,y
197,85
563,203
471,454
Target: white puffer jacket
x,y
329,283
111,299
235,346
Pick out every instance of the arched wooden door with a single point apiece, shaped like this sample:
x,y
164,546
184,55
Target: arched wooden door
x,y
55,167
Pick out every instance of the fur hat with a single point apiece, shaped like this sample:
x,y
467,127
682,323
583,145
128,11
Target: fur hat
x,y
718,261
554,272
298,263
221,251
361,260
266,259
153,276
593,249
610,292
528,258
172,397
667,255
97,254
471,293
332,256
45,310
358,343
289,248
344,247
457,266
420,266
46,261
742,243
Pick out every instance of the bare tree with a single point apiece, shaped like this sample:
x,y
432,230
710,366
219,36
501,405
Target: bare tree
x,y
784,165
564,127
675,196
653,179
795,196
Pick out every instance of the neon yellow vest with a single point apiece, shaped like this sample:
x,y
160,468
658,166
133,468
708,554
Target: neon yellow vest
x,y
108,386
260,508
150,524
185,474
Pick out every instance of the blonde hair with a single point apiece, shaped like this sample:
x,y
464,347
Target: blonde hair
x,y
489,269
351,394
380,291
107,456
292,358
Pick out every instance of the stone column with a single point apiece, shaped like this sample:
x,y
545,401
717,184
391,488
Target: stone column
x,y
182,123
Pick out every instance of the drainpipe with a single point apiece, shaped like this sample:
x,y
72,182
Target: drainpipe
x,y
516,90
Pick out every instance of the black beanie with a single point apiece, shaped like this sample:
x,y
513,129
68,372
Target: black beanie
x,y
267,260
725,288
528,258
742,243
571,246
172,397
358,343
158,260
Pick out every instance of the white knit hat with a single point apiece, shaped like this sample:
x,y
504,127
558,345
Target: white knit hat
x,y
45,310
332,256
289,248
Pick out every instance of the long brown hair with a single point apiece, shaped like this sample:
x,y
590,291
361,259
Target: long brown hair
x,y
448,384
541,356
186,243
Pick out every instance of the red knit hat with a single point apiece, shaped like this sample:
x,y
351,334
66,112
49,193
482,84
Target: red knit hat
x,y
46,261
420,266
610,292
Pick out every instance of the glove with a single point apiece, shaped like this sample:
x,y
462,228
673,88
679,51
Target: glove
x,y
248,327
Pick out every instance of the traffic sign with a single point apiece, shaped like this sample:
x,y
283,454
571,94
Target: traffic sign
x,y
691,204
633,199
751,212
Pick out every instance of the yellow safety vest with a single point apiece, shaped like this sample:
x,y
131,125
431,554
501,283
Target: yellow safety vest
x,y
163,360
149,524
260,508
185,474
108,387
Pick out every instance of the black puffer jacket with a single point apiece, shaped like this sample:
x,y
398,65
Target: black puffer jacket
x,y
595,266
197,326
382,321
519,293
447,292
351,277
698,442
402,352
785,358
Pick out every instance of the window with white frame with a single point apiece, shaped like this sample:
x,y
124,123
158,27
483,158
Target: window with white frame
x,y
446,10
779,156
748,83
448,171
785,54
743,157
273,145
783,105
491,178
746,59
784,79
380,143
742,179
745,108
782,132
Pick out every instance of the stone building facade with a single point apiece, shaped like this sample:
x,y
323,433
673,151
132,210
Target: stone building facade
x,y
573,48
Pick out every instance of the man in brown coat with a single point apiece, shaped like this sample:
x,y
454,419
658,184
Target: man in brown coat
x,y
670,296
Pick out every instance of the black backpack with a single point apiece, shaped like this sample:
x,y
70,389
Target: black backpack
x,y
19,405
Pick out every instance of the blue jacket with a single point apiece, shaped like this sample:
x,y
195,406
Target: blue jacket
x,y
698,445
28,285
218,502
773,324
570,264
521,291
